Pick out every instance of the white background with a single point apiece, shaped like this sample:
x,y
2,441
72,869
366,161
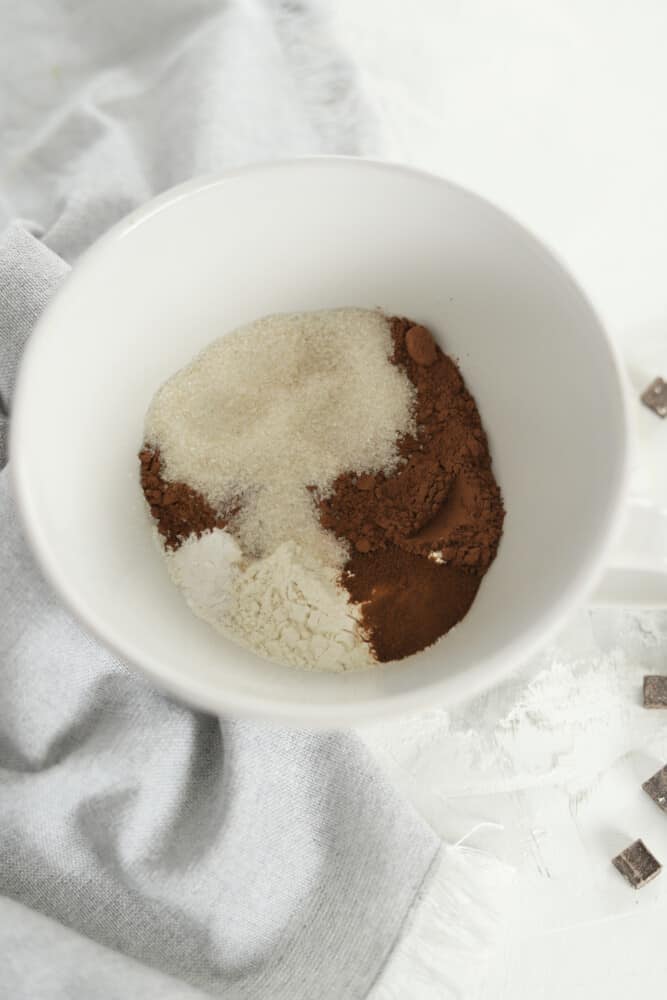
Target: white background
x,y
557,111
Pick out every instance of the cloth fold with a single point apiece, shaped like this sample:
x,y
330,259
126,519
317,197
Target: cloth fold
x,y
149,850
30,275
239,859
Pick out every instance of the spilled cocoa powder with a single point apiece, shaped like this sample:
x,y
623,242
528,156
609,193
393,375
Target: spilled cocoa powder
x,y
423,537
178,510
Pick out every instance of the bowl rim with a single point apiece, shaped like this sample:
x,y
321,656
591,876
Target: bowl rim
x,y
218,699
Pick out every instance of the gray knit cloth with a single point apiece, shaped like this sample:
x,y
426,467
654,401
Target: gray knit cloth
x,y
147,850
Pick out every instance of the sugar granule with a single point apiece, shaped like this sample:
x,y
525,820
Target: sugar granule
x,y
284,403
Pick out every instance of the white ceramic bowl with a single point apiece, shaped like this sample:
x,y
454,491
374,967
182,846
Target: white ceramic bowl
x,y
313,234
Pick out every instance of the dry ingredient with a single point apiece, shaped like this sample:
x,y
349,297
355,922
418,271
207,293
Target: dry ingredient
x,y
260,416
443,503
322,488
178,510
286,401
287,606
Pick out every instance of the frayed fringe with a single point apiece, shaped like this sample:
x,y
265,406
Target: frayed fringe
x,y
456,927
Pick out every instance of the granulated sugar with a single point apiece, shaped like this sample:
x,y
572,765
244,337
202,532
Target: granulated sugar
x,y
283,403
259,419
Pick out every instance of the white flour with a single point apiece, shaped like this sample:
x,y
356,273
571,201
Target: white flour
x,y
205,569
286,606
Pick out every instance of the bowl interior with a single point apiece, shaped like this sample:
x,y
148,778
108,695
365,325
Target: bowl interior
x,y
311,235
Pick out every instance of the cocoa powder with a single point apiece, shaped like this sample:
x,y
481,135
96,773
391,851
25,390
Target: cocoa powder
x,y
423,537
408,600
178,510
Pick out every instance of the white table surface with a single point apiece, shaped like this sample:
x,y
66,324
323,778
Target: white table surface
x,y
555,111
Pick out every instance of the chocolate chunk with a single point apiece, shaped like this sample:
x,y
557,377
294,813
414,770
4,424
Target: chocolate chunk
x,y
637,864
655,691
366,482
362,545
421,346
656,787
655,397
